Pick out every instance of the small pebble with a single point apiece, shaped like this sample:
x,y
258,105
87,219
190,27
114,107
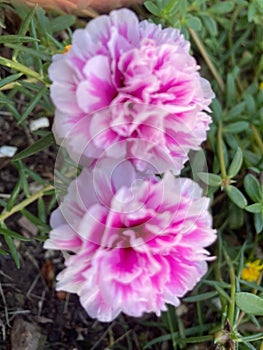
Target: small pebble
x,y
7,151
26,336
39,124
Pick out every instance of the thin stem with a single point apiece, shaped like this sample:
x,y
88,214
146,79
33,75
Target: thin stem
x,y
221,152
218,274
171,329
209,63
257,137
231,308
25,203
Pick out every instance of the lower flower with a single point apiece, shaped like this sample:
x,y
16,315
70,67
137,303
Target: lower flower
x,y
136,244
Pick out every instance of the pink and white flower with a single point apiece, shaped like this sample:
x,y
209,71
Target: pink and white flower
x,y
135,244
122,81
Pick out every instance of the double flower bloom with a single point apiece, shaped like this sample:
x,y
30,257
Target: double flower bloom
x,y
130,104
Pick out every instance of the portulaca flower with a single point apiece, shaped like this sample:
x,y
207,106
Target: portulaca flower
x,y
135,244
125,82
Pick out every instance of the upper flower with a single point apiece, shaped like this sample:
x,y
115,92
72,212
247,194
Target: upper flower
x,y
135,245
138,74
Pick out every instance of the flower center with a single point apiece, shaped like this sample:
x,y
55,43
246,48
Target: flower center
x,y
66,49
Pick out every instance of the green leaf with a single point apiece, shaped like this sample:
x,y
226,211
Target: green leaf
x,y
252,11
14,196
217,110
221,8
255,208
26,21
210,25
13,234
13,251
181,341
250,104
236,111
252,188
9,79
24,28
231,140
195,340
35,176
231,87
236,196
235,217
250,303
8,39
252,158
32,104
258,222
193,22
37,62
41,209
43,21
62,22
4,98
31,52
200,297
55,42
213,283
236,127
151,7
161,339
41,144
236,163
23,178
210,179
14,111
3,252
34,219
250,338
251,285
19,67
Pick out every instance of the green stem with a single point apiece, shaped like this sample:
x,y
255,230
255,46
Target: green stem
x,y
231,308
171,329
209,63
25,203
257,137
218,274
221,152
